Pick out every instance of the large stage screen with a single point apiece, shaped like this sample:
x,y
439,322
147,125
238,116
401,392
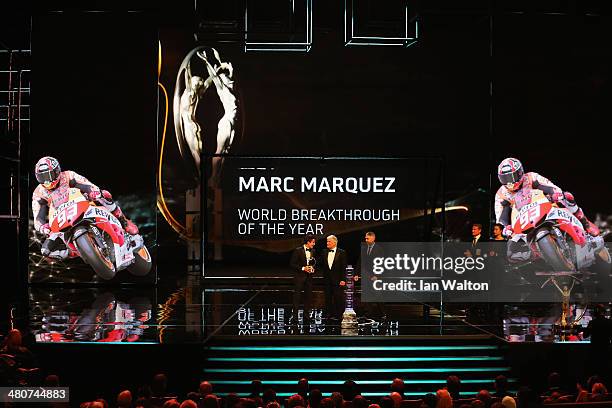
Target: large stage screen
x,y
264,207
92,172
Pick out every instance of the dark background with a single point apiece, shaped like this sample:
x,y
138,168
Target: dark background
x,y
551,102
95,118
485,80
95,97
474,89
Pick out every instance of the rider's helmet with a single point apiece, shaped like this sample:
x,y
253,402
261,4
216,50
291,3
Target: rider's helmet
x,y
47,172
510,173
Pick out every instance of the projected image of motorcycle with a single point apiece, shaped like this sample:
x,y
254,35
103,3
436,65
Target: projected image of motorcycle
x,y
94,234
552,234
89,315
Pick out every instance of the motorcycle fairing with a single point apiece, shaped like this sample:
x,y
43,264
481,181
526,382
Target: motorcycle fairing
x,y
568,223
531,214
107,222
76,209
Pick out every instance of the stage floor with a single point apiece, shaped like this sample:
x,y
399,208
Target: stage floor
x,y
193,314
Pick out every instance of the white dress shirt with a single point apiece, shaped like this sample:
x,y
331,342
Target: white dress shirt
x,y
330,257
308,254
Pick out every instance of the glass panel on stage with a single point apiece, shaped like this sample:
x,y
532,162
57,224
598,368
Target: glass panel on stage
x,y
90,315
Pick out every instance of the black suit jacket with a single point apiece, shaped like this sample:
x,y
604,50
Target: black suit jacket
x,y
337,272
298,260
365,262
474,248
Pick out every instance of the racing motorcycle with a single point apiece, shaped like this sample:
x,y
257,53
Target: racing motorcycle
x,y
96,235
106,320
553,234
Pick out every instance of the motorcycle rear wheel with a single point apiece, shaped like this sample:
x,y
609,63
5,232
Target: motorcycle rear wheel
x,y
552,254
91,254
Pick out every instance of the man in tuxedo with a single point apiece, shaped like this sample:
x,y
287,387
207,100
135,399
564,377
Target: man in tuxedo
x,y
333,264
302,263
364,269
475,249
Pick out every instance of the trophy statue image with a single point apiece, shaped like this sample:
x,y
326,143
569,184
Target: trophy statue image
x,y
203,71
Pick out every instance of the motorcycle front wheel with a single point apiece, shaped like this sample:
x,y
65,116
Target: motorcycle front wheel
x,y
142,262
91,254
552,254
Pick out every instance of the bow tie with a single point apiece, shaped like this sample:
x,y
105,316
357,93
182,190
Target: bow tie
x,y
308,250
331,250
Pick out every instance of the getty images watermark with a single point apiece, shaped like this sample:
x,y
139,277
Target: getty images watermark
x,y
460,272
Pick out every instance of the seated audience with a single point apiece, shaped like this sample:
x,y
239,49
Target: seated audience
x,y
554,384
430,400
255,394
398,386
327,403
501,386
210,401
124,399
269,395
485,397
386,402
171,403
360,402
598,392
350,390
556,398
314,398
397,399
526,398
296,400
303,388
476,403
337,399
444,399
205,389
508,402
453,385
232,400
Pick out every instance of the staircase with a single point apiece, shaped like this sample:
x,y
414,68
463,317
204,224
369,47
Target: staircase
x,y
424,362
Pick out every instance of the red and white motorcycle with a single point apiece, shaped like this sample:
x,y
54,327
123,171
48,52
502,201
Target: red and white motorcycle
x,y
553,234
97,236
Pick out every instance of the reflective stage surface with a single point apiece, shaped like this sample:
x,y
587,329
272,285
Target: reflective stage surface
x,y
191,314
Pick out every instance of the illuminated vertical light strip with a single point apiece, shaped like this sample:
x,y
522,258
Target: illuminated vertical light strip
x,y
406,21
246,24
310,36
345,26
307,47
161,201
352,21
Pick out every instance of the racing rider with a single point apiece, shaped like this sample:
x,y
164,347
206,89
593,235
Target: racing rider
x,y
53,189
514,179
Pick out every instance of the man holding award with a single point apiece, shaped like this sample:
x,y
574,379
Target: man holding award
x,y
303,264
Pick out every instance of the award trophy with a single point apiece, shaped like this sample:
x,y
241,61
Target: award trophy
x,y
349,317
311,262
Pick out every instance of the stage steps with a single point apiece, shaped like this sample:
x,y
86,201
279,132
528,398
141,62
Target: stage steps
x,y
424,362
